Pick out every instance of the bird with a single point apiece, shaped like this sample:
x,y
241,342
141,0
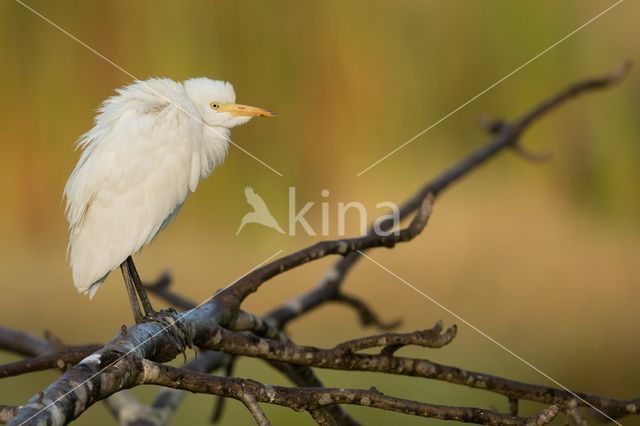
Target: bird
x,y
150,145
260,213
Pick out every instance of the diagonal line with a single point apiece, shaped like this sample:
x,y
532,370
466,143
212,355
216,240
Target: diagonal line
x,y
482,333
94,51
590,21
186,314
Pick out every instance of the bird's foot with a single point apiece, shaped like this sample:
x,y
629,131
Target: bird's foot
x,y
173,324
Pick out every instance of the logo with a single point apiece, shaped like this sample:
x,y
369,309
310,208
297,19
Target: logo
x,y
261,215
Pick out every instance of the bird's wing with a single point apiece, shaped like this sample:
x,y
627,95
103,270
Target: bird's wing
x,y
255,200
136,170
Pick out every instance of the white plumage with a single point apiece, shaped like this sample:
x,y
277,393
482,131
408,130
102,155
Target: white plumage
x,y
148,149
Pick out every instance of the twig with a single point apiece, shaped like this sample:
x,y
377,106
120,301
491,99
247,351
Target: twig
x,y
299,374
306,399
22,343
234,294
430,338
124,362
58,360
162,288
7,412
167,400
507,134
129,411
513,405
366,315
218,408
528,155
571,408
543,417
250,402
248,345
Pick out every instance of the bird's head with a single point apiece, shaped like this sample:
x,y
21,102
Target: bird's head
x,y
215,101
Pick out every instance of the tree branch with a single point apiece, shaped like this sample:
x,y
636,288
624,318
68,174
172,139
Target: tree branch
x,y
297,374
366,315
7,412
58,360
22,343
307,399
234,294
507,135
342,357
251,403
128,360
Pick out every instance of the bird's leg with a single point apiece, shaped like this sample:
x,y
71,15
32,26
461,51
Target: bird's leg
x,y
167,317
131,291
144,299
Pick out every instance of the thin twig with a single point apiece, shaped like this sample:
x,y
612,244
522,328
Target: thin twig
x,y
250,402
58,360
8,412
429,338
339,359
571,408
313,398
125,361
234,294
365,313
22,343
543,417
506,135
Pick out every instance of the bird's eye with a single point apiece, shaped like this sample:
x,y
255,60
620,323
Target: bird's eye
x,y
214,105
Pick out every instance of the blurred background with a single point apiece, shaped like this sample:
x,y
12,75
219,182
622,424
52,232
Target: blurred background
x,y
544,258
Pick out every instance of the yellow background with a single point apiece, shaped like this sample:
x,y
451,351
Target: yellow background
x,y
544,258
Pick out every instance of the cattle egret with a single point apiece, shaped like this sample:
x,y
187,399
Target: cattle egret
x,y
149,147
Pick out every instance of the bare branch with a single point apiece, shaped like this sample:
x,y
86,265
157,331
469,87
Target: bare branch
x,y
128,360
534,157
544,417
430,338
162,288
250,402
7,412
22,343
248,345
513,406
571,408
366,315
58,360
234,294
506,135
129,411
245,321
299,374
220,403
308,399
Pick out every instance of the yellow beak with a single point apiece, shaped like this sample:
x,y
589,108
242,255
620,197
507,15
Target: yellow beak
x,y
245,110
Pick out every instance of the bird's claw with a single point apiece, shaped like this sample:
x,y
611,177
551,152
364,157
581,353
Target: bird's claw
x,y
170,321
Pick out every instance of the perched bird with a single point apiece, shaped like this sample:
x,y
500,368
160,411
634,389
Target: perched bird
x,y
149,147
260,213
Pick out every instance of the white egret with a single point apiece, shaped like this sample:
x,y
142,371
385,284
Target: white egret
x,y
149,147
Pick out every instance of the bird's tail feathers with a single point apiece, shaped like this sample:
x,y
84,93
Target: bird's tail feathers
x,y
93,289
